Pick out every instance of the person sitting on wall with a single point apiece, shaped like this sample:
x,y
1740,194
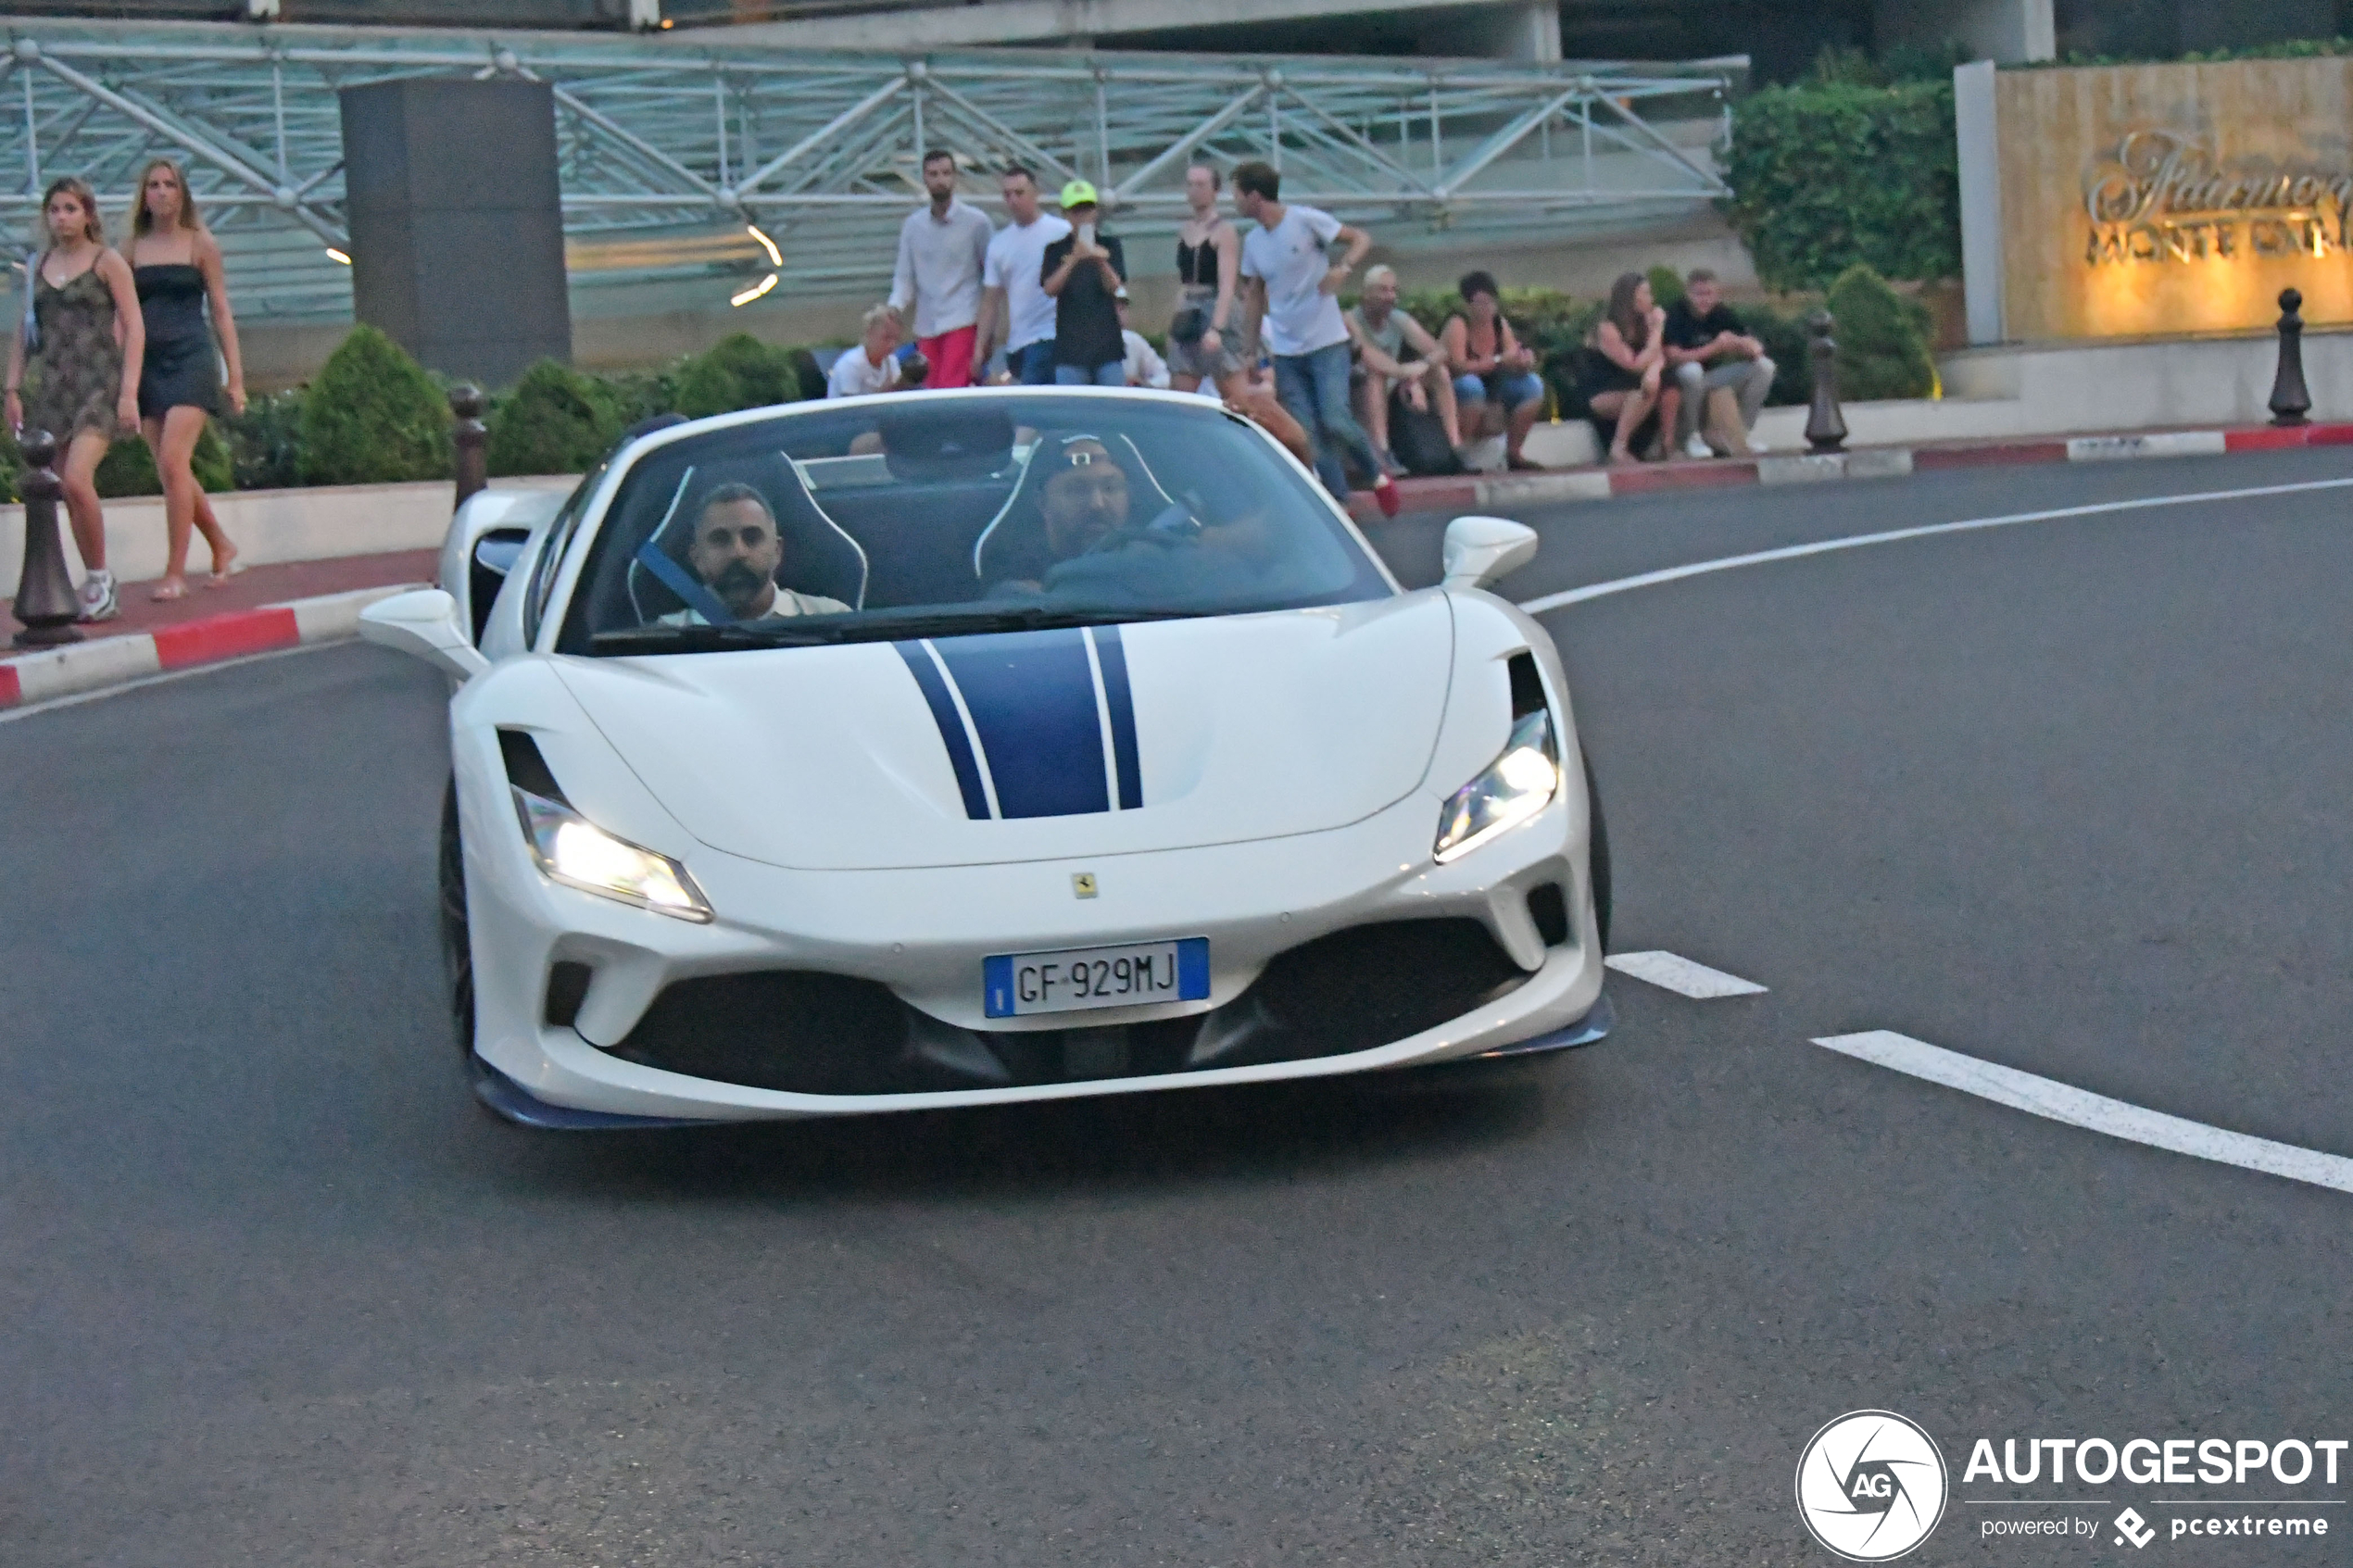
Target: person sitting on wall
x,y
1396,353
1496,385
873,365
1710,351
1625,374
735,554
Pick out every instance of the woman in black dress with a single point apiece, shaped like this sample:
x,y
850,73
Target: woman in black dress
x,y
176,265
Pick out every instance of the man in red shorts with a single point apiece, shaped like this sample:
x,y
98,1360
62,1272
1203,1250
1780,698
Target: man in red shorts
x,y
942,248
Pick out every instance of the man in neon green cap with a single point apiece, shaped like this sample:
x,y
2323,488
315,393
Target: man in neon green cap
x,y
1083,273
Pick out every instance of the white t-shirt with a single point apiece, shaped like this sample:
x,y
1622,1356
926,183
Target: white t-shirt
x,y
1291,256
854,375
788,603
1017,264
1145,367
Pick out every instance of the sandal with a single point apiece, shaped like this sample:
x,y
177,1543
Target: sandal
x,y
169,589
222,572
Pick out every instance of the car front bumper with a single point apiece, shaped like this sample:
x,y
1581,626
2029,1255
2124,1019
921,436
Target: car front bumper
x,y
920,935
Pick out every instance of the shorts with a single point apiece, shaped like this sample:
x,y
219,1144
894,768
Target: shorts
x,y
1111,374
951,354
1189,360
1033,363
1512,389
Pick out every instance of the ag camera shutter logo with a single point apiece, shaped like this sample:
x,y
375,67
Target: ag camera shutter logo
x,y
1871,1486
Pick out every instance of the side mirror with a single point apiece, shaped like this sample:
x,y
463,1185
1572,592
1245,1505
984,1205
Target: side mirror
x,y
423,624
1479,550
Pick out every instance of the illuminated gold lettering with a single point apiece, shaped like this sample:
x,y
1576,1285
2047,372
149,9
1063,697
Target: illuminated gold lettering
x,y
2269,236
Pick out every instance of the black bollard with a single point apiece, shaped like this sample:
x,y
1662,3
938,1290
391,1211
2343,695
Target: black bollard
x,y
2290,400
1825,426
468,440
45,601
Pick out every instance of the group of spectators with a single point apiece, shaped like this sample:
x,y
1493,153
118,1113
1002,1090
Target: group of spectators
x,y
1052,291
116,340
1258,324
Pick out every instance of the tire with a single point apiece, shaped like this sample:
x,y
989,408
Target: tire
x,y
456,933
1597,857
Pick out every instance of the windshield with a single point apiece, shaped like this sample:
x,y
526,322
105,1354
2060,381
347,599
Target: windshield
x,y
930,516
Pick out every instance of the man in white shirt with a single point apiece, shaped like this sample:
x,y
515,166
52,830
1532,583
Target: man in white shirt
x,y
873,365
942,250
1012,291
1145,367
1291,283
735,555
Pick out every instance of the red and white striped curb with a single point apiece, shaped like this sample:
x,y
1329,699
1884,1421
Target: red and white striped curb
x,y
1480,492
113,661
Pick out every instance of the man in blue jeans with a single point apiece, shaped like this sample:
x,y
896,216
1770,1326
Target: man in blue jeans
x,y
1291,283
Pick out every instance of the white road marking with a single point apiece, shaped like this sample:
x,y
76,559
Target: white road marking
x,y
1855,542
1682,976
2079,1107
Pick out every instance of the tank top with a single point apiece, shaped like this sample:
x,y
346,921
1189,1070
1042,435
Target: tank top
x,y
171,300
1197,265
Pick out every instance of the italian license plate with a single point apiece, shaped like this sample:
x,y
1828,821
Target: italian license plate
x,y
1132,974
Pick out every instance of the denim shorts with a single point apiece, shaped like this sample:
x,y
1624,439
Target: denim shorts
x,y
1509,388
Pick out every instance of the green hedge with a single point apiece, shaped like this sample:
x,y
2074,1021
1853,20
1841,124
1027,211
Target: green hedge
x,y
1831,174
373,417
556,421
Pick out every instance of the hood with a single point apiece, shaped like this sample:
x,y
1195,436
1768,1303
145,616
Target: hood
x,y
1036,745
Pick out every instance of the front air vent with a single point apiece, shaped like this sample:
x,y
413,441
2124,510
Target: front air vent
x,y
1548,907
567,989
1528,686
527,769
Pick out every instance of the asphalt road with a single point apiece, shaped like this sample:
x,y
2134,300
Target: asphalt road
x,y
2067,797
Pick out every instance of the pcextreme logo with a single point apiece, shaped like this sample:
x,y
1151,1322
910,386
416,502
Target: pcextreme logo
x,y
1871,1486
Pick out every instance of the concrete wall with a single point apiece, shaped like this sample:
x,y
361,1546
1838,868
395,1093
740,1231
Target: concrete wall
x,y
282,356
320,524
1527,29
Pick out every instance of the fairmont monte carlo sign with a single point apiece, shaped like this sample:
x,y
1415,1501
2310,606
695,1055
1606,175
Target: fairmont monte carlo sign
x,y
2161,196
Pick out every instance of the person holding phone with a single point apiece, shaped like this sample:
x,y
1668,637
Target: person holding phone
x,y
1083,273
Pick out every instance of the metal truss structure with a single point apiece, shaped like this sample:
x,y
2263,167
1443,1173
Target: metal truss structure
x,y
673,153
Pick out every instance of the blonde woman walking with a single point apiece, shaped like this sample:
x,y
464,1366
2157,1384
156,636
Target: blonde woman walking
x,y
73,367
176,266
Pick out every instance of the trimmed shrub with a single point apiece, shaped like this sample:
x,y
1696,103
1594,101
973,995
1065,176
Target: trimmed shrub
x,y
556,421
741,372
265,442
128,468
1835,173
1881,337
707,386
373,417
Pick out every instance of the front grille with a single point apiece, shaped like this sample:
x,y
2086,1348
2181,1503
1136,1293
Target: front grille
x,y
809,1033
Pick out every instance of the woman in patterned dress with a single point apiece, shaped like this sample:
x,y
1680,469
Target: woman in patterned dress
x,y
80,380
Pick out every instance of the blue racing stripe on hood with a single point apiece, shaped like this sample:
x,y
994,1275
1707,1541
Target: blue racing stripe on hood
x,y
1031,695
1120,704
951,728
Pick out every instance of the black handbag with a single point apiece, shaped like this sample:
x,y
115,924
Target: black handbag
x,y
1189,324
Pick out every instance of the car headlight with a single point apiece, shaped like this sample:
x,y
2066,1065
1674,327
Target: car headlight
x,y
1518,785
576,852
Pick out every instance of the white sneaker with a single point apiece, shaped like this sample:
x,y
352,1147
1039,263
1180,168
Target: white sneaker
x,y
99,601
1758,445
1697,446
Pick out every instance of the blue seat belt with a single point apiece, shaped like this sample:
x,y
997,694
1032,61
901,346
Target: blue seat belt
x,y
676,578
